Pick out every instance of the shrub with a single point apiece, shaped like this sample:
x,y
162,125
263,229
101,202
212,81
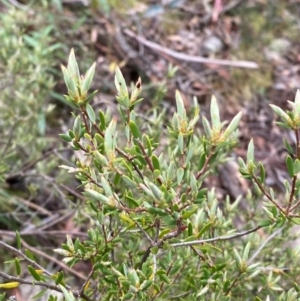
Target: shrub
x,y
156,232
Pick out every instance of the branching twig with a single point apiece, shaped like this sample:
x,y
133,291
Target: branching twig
x,y
220,238
144,232
30,282
21,254
263,190
264,244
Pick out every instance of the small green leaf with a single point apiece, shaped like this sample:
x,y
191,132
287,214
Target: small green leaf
x,y
147,142
59,278
250,152
34,274
156,191
246,252
68,295
190,229
102,121
163,233
284,116
126,218
164,278
90,113
129,182
180,174
180,105
100,158
65,137
88,78
233,125
18,266
154,250
203,291
290,165
40,294
204,229
134,130
70,83
201,161
237,256
29,254
155,162
73,67
296,166
288,147
96,195
106,186
146,284
189,213
206,126
77,127
180,142
215,114
262,172
18,240
157,211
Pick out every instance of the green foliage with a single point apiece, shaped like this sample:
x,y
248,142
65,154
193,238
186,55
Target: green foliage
x,y
26,58
157,232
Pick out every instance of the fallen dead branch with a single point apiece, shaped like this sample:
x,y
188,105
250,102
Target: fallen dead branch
x,y
190,58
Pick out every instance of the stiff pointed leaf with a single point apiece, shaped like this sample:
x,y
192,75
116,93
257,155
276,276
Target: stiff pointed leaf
x,y
121,87
180,173
250,152
88,78
297,103
106,186
203,291
180,105
34,273
102,121
296,166
18,266
40,294
155,162
65,137
237,256
134,130
126,218
91,113
59,278
180,142
96,195
233,125
284,116
262,173
288,147
246,251
69,81
29,254
201,161
136,91
73,67
18,240
206,126
129,182
215,114
290,166
68,295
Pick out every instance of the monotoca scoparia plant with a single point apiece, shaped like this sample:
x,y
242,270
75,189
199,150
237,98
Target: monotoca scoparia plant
x,y
156,232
